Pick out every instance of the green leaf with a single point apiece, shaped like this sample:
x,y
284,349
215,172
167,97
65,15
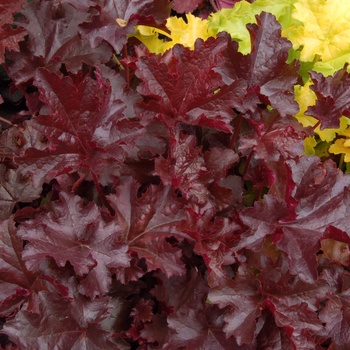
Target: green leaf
x,y
281,9
234,21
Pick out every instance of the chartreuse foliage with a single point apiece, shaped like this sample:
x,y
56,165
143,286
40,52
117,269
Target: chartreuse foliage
x,y
184,31
234,20
323,34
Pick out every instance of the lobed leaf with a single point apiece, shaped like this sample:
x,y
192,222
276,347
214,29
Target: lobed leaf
x,y
321,192
323,30
269,78
188,6
180,86
61,323
147,222
240,297
15,280
332,98
76,234
82,131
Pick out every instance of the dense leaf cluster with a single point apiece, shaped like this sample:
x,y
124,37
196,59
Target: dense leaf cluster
x,y
164,201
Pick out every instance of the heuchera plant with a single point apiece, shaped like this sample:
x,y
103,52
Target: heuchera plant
x,y
165,200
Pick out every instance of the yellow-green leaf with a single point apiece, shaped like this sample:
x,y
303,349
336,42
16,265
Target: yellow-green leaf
x,y
341,146
187,33
325,29
309,145
234,21
281,9
149,36
181,32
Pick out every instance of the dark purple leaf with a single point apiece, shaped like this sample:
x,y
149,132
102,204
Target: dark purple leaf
x,y
180,86
272,337
216,248
9,39
332,98
225,3
181,6
293,303
111,22
76,234
242,301
273,141
7,9
322,194
186,298
185,169
270,79
72,325
192,172
15,188
187,320
9,36
336,317
54,42
146,223
83,131
15,279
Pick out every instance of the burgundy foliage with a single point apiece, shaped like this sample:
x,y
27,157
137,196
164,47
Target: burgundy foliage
x,y
164,201
332,98
186,6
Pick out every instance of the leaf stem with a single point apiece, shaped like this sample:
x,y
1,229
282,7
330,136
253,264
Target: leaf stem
x,y
162,32
316,125
102,195
213,4
127,69
259,193
235,134
115,58
5,121
246,166
78,182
